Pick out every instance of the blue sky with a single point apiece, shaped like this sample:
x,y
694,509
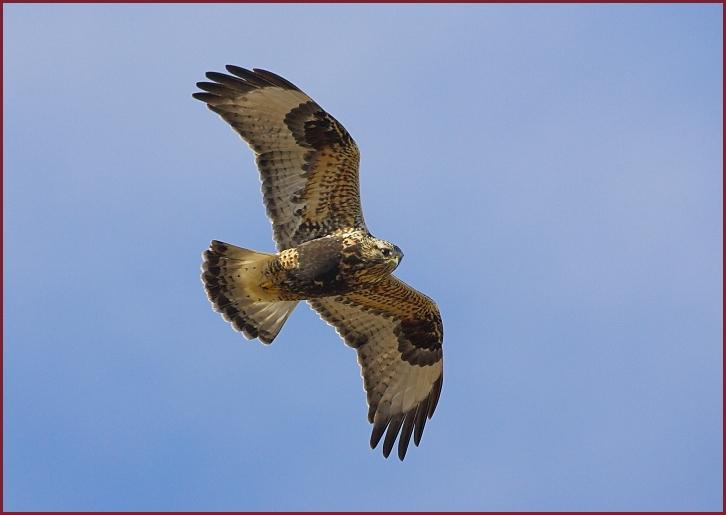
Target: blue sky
x,y
553,174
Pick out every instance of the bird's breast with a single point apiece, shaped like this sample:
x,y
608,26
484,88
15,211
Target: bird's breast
x,y
316,270
323,267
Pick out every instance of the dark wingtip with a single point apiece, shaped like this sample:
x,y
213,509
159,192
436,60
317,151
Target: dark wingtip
x,y
275,79
377,433
406,431
217,89
435,393
393,428
237,70
420,420
216,76
204,97
249,76
242,73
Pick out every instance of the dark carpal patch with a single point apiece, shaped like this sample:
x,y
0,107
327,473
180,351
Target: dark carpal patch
x,y
419,341
313,127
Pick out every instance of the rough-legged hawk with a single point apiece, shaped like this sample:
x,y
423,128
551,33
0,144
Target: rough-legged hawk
x,y
309,168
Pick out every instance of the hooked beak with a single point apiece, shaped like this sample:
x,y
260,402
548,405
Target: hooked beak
x,y
399,254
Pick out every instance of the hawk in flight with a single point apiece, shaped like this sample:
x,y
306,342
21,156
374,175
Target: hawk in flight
x,y
308,164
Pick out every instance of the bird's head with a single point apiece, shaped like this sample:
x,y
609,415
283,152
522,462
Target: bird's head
x,y
371,259
387,252
381,256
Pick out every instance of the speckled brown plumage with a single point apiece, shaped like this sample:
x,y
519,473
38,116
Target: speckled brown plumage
x,y
308,165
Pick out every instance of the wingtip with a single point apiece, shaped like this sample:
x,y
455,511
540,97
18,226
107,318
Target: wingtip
x,y
401,453
204,97
250,77
236,70
394,427
377,434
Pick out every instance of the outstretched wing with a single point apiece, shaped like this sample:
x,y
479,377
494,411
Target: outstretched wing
x,y
397,332
307,160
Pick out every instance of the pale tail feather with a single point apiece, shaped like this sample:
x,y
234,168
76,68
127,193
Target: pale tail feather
x,y
231,278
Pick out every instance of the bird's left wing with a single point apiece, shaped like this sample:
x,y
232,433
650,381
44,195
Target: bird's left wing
x,y
398,333
308,162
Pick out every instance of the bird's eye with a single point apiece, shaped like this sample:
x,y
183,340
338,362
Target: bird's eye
x,y
386,252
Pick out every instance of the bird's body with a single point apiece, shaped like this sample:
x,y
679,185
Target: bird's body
x,y
309,169
332,265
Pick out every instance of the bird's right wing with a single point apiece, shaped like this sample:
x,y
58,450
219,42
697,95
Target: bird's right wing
x,y
398,333
308,162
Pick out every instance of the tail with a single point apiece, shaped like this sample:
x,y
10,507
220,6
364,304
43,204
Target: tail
x,y
231,278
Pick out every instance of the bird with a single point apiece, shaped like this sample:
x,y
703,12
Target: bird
x,y
308,166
